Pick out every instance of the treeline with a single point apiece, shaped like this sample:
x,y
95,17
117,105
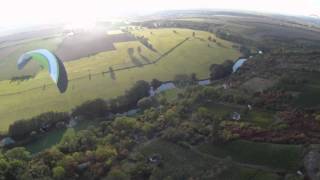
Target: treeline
x,y
145,41
111,149
23,128
99,152
101,108
209,27
91,109
21,78
219,71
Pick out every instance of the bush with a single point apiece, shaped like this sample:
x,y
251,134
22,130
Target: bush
x,y
155,83
18,153
125,123
146,103
91,109
23,128
182,80
139,90
219,71
58,172
117,174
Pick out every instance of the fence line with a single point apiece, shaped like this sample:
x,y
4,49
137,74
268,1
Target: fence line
x,y
99,73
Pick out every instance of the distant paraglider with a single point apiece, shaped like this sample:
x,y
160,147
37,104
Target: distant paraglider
x,y
49,61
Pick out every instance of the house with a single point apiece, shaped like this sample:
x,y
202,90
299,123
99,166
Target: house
x,y
73,122
225,86
155,159
132,112
235,116
152,92
83,166
6,142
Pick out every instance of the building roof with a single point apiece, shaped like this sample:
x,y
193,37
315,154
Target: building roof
x,y
6,141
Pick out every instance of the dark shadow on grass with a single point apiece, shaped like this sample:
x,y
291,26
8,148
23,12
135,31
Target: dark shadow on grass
x,y
113,75
147,60
136,61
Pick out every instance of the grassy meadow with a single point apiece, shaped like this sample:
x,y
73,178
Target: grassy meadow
x,y
38,95
180,161
278,156
8,61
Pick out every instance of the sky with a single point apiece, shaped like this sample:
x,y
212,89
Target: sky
x,y
17,12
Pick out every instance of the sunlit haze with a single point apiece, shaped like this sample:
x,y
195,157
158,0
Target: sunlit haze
x,y
17,12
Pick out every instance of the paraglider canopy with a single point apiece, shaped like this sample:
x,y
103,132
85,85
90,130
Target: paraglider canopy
x,y
49,61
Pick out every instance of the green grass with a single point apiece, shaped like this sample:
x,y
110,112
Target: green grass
x,y
285,157
241,173
171,94
309,92
182,163
46,141
194,56
310,96
54,137
258,117
178,162
8,65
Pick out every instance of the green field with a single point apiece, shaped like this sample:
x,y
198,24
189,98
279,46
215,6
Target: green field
x,y
310,92
8,64
256,116
54,137
284,157
29,98
183,163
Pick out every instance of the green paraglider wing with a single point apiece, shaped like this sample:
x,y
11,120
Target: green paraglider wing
x,y
49,61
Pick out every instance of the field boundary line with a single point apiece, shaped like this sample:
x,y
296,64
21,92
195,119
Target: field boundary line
x,y
103,72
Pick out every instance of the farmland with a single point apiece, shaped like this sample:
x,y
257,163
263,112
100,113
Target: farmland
x,y
87,80
259,122
9,56
180,161
275,156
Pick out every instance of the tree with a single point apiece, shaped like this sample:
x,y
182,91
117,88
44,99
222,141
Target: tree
x,y
219,71
91,109
16,169
4,166
183,80
22,128
139,49
173,134
139,90
141,172
37,170
130,51
58,172
51,156
245,51
155,83
117,174
104,153
18,153
146,103
194,77
125,123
